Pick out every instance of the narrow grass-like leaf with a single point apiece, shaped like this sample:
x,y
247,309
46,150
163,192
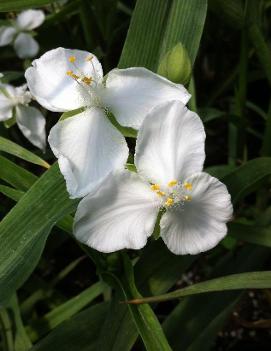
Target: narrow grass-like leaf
x,y
16,5
78,333
12,148
157,26
251,280
65,311
24,230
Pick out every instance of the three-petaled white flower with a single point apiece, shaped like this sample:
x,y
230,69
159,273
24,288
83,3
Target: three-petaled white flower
x,y
14,102
19,33
87,145
169,158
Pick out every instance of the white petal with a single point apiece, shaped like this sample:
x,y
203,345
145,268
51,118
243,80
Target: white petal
x,y
25,46
122,214
32,124
48,80
6,35
131,93
6,104
30,19
88,148
199,224
170,144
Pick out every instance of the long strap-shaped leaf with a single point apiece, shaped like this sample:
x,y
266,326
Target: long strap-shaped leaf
x,y
24,230
16,5
251,280
157,25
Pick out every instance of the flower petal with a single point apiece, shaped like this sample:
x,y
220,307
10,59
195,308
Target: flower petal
x,y
131,93
198,225
30,19
170,144
25,46
32,124
6,104
6,35
88,149
122,214
48,80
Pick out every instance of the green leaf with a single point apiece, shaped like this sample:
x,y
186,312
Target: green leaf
x,y
147,323
78,333
15,175
251,233
251,280
24,230
16,5
247,178
12,193
153,276
157,26
195,315
14,149
65,311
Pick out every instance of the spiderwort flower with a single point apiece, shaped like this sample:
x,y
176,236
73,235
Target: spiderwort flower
x,y
87,145
169,159
19,33
14,102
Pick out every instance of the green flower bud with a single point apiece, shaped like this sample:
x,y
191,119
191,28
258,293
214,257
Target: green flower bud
x,y
176,65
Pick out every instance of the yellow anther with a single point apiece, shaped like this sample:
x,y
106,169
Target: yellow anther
x,y
75,76
87,80
155,187
187,186
172,182
169,202
160,193
187,198
72,59
89,58
69,73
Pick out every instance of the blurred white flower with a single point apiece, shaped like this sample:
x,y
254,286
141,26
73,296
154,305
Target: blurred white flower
x,y
19,33
169,159
14,104
87,145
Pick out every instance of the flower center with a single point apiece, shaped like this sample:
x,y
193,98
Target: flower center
x,y
175,193
87,82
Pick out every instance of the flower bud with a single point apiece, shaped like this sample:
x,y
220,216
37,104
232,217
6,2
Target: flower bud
x,y
176,65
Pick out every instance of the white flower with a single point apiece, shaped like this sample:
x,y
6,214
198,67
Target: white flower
x,y
169,158
14,103
87,145
19,33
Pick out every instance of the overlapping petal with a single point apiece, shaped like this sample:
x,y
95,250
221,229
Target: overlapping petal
x,y
6,105
30,19
131,93
88,149
25,46
32,124
122,214
53,88
170,144
199,224
7,34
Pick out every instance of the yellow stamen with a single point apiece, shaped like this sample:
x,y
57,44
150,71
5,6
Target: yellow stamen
x,y
160,193
187,198
155,187
87,80
169,202
187,186
69,73
89,58
75,76
72,59
172,182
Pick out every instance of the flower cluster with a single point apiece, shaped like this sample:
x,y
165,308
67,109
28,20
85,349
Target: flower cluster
x,y
19,33
14,105
120,208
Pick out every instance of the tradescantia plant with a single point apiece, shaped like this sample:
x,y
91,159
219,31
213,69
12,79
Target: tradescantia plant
x,y
131,201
